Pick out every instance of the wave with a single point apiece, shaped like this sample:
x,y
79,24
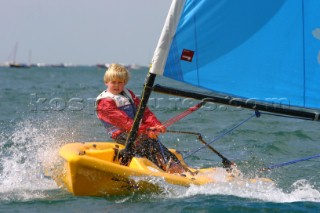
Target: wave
x,y
33,145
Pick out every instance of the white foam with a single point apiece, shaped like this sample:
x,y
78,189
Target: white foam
x,y
23,154
301,190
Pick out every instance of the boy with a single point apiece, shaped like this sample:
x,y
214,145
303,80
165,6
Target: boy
x,y
116,108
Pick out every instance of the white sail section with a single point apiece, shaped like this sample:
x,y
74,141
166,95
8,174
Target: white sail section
x,y
161,52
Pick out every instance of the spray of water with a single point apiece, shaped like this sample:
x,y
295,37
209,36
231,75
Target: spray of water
x,y
26,150
301,190
260,190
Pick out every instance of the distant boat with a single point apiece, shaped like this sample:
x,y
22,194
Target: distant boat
x,y
14,64
61,65
19,65
102,65
134,67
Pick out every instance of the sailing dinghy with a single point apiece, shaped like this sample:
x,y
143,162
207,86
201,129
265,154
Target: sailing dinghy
x,y
92,169
263,55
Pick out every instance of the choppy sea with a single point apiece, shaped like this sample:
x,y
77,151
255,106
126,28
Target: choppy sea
x,y
42,108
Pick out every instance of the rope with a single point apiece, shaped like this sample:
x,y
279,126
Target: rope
x,y
256,114
183,114
289,162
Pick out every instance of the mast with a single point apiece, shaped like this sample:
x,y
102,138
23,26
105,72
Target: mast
x,y
29,57
127,153
14,53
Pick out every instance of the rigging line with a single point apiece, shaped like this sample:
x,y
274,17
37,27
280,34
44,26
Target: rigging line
x,y
226,162
289,163
256,114
176,118
183,114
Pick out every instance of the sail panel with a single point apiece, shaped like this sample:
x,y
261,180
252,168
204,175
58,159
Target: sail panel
x,y
265,50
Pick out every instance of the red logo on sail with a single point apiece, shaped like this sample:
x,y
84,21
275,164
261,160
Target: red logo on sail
x,y
187,55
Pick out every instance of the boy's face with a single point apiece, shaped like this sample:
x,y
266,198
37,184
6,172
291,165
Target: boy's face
x,y
115,86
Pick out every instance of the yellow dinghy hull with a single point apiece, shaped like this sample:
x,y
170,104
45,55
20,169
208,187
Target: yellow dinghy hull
x,y
92,169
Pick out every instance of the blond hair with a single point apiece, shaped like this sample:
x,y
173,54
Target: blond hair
x,y
116,72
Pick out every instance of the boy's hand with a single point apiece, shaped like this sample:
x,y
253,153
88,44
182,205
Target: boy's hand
x,y
154,131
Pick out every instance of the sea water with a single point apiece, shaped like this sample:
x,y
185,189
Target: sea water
x,y
43,108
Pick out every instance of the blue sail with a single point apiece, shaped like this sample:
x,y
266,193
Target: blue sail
x,y
265,50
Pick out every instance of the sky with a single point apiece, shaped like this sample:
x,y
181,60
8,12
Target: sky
x,y
83,32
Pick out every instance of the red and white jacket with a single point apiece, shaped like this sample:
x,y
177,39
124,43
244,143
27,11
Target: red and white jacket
x,y
117,112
